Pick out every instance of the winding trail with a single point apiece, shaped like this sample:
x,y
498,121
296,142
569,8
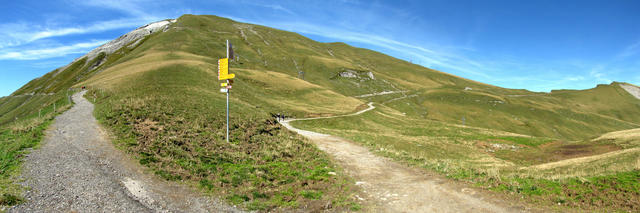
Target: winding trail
x,y
393,187
77,169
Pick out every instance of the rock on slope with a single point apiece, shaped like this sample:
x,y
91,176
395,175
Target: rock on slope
x,y
132,38
632,89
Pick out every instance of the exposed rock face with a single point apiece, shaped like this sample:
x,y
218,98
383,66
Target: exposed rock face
x,y
348,74
134,36
633,90
370,74
356,74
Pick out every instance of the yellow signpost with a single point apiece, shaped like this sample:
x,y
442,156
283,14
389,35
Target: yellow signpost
x,y
223,69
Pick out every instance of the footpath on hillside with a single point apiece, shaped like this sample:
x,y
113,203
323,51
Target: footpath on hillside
x,y
393,187
77,169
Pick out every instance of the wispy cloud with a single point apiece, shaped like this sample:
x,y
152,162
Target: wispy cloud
x,y
135,8
574,78
599,75
630,50
276,7
421,55
21,33
16,34
35,54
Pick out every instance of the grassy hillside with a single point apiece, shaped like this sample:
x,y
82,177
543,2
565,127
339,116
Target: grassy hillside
x,y
566,114
173,122
160,99
571,115
599,174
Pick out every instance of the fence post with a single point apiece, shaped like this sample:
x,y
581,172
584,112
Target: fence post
x,y
54,107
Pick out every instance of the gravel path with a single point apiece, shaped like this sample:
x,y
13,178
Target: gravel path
x,y
393,187
77,169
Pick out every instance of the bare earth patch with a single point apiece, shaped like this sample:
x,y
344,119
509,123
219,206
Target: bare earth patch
x,y
580,160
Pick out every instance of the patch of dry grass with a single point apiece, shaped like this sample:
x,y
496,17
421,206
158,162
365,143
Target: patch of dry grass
x,y
112,76
295,94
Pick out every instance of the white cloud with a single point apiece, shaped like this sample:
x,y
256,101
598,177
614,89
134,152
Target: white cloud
x,y
270,6
630,50
35,54
277,7
598,74
135,8
574,78
16,34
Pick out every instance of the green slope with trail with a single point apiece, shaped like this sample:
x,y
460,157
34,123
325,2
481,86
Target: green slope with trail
x,y
159,96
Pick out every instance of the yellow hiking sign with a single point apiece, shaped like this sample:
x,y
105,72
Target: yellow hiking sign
x,y
223,69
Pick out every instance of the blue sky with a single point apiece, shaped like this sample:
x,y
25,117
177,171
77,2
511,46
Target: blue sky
x,y
535,45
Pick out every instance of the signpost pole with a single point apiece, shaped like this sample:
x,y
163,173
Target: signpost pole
x,y
228,97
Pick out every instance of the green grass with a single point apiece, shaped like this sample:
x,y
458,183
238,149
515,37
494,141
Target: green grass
x,y
17,137
564,114
490,159
173,123
162,103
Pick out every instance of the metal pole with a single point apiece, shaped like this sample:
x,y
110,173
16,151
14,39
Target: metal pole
x,y
227,96
227,113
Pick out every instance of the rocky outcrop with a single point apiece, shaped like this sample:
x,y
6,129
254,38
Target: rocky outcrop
x,y
347,73
133,38
632,89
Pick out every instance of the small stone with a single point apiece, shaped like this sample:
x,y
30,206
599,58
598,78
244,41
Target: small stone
x,y
331,173
328,205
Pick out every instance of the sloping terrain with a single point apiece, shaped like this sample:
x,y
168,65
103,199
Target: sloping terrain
x,y
78,169
349,71
156,91
394,187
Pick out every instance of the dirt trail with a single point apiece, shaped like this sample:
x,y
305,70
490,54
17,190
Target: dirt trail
x,y
581,160
77,169
393,187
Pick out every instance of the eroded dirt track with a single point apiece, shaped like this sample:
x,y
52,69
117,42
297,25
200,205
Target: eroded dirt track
x,y
77,169
393,187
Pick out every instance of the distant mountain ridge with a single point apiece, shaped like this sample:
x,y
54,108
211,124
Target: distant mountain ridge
x,y
436,95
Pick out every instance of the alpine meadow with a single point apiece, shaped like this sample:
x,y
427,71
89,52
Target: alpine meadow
x,y
157,96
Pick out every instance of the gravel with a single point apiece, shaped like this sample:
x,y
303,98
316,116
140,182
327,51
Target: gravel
x,y
77,169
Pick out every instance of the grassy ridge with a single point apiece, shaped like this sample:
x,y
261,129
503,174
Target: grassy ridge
x,y
565,114
548,115
569,115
